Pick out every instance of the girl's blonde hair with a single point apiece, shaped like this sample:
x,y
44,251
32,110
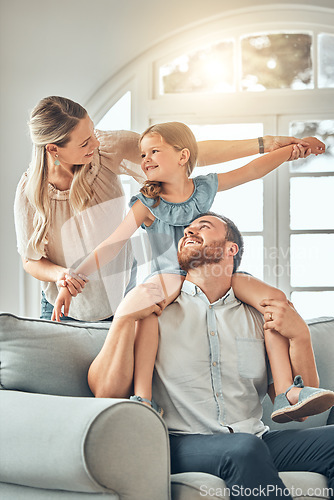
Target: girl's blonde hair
x,y
51,122
179,136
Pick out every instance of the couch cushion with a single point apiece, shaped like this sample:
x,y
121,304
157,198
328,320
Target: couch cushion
x,y
48,357
53,358
322,333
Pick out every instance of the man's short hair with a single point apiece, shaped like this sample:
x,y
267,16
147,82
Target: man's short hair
x,y
232,234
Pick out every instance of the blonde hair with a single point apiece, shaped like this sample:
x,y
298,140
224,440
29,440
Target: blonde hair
x,y
52,122
179,136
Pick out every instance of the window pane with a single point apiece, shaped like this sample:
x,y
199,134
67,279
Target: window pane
x,y
119,115
312,203
323,130
126,184
252,260
326,60
313,304
277,61
210,69
311,260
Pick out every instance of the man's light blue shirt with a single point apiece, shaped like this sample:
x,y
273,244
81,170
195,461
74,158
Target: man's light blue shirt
x,y
211,367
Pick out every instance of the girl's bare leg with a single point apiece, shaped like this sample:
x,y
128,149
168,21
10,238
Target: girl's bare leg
x,y
147,337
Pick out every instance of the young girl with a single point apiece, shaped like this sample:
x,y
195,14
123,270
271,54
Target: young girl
x,y
167,203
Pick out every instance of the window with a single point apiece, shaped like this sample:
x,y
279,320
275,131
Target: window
x,y
310,225
209,69
231,203
253,62
276,61
326,60
118,117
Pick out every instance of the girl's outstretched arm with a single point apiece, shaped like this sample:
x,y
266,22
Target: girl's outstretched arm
x,y
104,253
111,246
255,169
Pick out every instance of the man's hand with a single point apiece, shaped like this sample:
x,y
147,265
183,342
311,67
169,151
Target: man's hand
x,y
283,317
302,147
75,283
142,301
63,300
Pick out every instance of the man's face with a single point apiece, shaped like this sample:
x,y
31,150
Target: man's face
x,y
203,243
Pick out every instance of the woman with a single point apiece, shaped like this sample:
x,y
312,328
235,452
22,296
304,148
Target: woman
x,y
71,199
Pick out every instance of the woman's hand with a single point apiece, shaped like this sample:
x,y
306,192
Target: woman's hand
x,y
302,147
75,283
62,301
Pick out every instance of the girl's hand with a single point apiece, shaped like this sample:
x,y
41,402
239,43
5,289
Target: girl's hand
x,y
299,151
63,300
75,283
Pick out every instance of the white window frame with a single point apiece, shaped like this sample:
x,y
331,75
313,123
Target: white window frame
x,y
283,189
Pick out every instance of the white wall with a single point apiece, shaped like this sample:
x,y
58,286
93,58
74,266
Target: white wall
x,y
70,48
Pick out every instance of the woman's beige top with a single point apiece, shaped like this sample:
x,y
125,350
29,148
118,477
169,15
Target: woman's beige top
x,y
71,237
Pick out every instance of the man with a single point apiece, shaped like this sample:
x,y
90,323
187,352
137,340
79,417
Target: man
x,y
211,370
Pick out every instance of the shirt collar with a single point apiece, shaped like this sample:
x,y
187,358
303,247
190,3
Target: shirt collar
x,y
191,289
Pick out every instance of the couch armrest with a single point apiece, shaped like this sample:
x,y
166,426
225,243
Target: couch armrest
x,y
83,444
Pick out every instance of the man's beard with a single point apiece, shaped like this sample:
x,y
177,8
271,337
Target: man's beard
x,y
193,256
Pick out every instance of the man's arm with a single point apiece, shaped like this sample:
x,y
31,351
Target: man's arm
x,y
111,373
287,322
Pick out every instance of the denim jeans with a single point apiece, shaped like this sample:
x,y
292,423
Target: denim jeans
x,y
47,308
246,461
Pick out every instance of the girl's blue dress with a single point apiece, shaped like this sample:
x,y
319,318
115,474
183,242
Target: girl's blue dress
x,y
172,218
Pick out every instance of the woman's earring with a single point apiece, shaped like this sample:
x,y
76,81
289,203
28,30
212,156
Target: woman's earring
x,y
57,162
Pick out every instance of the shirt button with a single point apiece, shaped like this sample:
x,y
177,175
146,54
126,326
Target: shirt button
x,y
210,307
214,364
212,333
217,394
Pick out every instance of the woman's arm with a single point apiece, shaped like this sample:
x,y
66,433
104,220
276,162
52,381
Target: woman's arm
x,y
43,269
212,152
255,169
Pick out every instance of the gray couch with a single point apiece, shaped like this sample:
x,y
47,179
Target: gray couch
x,y
58,442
